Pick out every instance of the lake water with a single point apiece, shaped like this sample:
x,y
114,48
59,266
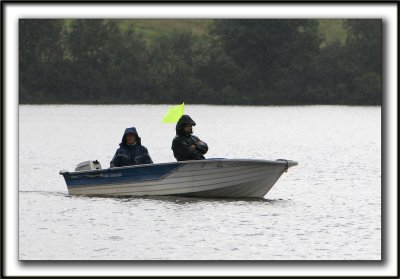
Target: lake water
x,y
326,208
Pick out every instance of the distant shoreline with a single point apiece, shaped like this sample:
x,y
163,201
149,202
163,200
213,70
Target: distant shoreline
x,y
252,62
199,104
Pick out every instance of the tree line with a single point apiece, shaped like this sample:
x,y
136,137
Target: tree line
x,y
237,62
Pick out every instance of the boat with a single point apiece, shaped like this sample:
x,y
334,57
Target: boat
x,y
209,178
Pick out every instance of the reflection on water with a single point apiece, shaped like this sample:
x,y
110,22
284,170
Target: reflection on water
x,y
327,208
184,200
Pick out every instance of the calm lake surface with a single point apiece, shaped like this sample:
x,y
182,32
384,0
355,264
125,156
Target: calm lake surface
x,y
326,208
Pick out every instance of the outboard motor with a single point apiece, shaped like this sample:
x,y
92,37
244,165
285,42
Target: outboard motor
x,y
88,165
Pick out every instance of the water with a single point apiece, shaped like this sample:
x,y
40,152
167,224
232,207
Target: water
x,y
326,208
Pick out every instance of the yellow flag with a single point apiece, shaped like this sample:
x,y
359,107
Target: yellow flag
x,y
173,114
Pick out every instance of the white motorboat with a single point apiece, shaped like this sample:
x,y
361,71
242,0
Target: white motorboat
x,y
212,178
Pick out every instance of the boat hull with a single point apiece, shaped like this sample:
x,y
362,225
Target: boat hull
x,y
221,178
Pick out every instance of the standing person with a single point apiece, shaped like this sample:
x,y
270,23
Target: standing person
x,y
186,146
130,151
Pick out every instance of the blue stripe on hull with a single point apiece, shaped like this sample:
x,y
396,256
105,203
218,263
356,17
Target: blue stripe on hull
x,y
119,175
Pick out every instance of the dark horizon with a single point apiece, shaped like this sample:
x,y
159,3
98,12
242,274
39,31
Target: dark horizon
x,y
230,62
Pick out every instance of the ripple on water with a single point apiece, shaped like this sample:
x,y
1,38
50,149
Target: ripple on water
x,y
332,199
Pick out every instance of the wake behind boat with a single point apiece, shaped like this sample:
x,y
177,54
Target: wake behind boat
x,y
210,178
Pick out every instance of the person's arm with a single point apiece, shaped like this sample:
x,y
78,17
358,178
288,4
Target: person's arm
x,y
201,146
144,157
186,150
112,163
120,159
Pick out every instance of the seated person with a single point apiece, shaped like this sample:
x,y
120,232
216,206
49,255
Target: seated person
x,y
131,151
186,146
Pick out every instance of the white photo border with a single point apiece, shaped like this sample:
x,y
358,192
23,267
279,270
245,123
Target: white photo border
x,y
12,11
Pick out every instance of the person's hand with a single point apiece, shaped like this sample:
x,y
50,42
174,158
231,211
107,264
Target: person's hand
x,y
193,146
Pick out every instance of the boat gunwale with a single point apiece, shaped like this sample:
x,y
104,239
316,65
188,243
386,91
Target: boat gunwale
x,y
288,163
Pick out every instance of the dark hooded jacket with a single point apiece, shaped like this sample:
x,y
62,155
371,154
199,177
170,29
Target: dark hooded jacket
x,y
127,155
182,144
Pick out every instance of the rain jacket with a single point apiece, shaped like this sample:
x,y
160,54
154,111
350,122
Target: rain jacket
x,y
182,144
127,155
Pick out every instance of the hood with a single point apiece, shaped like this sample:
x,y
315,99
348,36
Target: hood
x,y
185,119
131,130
